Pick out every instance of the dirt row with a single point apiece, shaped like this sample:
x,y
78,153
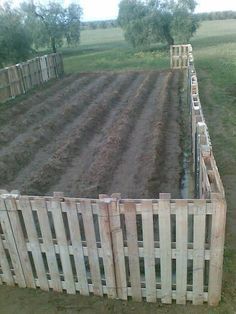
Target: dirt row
x,y
95,133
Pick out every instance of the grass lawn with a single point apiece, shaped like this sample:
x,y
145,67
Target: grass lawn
x,y
106,50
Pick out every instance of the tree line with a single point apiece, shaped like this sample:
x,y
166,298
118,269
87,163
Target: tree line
x,y
26,29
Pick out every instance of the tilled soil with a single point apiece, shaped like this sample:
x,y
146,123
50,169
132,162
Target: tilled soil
x,y
95,133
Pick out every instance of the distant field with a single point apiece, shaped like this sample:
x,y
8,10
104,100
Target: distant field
x,y
106,49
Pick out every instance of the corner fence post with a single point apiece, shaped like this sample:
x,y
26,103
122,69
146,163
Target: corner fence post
x,y
216,248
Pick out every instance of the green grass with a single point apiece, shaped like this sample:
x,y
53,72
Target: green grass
x,y
214,48
106,50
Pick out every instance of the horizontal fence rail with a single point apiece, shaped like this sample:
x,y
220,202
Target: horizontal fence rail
x,y
20,78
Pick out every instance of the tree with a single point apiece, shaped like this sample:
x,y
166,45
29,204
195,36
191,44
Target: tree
x,y
15,40
146,22
53,23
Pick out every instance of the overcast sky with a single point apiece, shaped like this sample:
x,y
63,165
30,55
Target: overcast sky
x,y
108,9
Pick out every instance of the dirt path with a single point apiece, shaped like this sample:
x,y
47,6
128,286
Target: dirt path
x,y
99,134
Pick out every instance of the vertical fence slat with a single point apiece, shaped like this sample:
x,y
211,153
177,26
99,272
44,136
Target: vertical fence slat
x,y
34,242
20,242
181,250
106,243
217,249
62,244
87,215
165,248
6,271
148,246
11,246
118,248
132,240
39,205
198,250
77,246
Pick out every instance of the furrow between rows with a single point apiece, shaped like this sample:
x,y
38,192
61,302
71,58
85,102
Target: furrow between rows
x,y
91,120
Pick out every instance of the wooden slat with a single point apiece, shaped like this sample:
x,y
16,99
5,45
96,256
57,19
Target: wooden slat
x,y
63,245
148,247
108,262
6,271
198,251
87,215
34,242
181,250
165,247
77,246
11,246
118,247
20,242
39,205
217,249
132,240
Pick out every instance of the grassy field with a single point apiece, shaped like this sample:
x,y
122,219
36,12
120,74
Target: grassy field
x,y
106,50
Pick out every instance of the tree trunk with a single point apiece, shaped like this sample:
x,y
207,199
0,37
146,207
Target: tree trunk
x,y
53,43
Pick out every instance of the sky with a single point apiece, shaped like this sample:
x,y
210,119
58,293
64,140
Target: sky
x,y
108,9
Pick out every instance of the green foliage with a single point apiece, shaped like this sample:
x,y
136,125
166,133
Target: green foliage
x,y
15,39
52,23
157,21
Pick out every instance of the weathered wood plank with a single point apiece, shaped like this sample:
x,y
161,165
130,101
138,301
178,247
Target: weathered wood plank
x,y
118,247
132,240
148,247
165,247
87,215
77,246
63,245
6,271
181,250
20,241
199,251
108,262
11,246
39,205
217,249
25,206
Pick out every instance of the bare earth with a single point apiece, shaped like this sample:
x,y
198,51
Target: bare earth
x,y
95,133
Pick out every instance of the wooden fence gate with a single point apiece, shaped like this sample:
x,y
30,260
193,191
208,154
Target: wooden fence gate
x,y
154,249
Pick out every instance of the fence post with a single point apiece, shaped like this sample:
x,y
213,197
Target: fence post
x,y
106,243
118,247
165,247
216,248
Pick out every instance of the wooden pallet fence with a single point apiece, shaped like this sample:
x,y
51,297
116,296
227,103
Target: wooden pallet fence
x,y
179,56
18,79
145,249
207,175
